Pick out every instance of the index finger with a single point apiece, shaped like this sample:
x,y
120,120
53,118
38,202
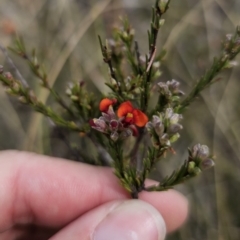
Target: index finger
x,y
53,192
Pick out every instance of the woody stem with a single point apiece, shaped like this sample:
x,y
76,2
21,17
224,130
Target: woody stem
x,y
133,154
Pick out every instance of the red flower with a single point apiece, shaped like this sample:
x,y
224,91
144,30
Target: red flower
x,y
132,115
106,103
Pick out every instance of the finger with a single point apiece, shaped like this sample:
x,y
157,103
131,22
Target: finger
x,y
128,220
172,205
53,192
44,190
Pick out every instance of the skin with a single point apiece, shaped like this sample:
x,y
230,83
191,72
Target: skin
x,y
41,196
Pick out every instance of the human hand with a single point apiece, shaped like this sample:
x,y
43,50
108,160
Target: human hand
x,y
49,198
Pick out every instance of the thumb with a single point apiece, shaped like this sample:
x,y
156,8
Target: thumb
x,y
118,220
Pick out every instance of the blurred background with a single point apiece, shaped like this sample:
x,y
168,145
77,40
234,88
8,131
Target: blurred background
x,y
64,33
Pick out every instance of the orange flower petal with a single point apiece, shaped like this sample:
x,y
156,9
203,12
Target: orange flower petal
x,y
139,118
124,109
105,103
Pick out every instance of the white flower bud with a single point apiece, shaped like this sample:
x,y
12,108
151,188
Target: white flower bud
x,y
206,164
114,136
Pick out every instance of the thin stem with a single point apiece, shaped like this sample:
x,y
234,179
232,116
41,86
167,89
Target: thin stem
x,y
163,187
134,195
34,66
130,55
75,152
157,14
138,58
43,77
11,63
133,154
204,81
26,95
103,153
107,58
231,50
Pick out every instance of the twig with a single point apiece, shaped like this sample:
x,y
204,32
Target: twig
x,y
107,59
157,14
151,59
138,57
74,152
134,151
230,52
13,66
43,77
104,155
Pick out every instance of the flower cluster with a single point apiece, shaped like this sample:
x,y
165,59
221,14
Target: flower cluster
x,y
123,124
199,159
170,90
164,128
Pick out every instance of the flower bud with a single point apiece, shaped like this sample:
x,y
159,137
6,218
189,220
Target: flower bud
x,y
111,43
114,136
164,90
74,98
68,92
174,119
8,75
168,113
200,151
191,166
161,22
229,37
173,86
155,120
194,150
197,171
100,123
175,128
158,125
111,112
105,117
163,5
32,96
15,87
22,99
200,155
9,91
126,133
206,164
164,140
156,64
159,128
174,137
149,126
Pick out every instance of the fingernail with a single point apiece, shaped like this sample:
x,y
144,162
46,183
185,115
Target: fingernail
x,y
131,220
